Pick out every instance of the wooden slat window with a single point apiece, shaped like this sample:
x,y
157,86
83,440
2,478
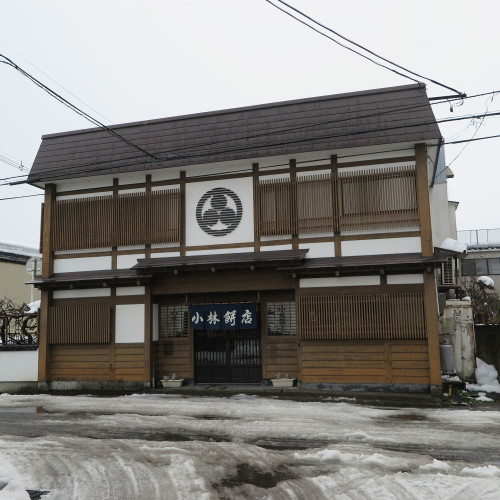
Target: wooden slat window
x,y
173,321
129,219
281,318
380,198
315,204
275,207
85,324
367,316
82,223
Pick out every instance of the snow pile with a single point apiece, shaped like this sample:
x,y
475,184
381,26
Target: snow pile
x,y
487,378
453,245
486,280
11,486
33,307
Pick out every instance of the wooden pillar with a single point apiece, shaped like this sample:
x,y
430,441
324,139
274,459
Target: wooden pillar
x,y
256,207
114,226
182,214
43,340
431,321
48,228
293,204
424,207
148,334
149,224
335,206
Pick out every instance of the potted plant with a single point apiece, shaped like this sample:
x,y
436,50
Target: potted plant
x,y
282,382
172,381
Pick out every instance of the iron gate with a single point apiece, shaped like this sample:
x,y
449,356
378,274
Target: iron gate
x,y
228,356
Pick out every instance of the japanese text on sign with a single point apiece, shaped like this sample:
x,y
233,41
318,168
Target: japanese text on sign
x,y
223,316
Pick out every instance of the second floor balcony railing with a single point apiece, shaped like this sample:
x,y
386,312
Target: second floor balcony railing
x,y
480,237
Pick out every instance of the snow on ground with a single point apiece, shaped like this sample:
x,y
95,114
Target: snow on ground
x,y
487,378
171,446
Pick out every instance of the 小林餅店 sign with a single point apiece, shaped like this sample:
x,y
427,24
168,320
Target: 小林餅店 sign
x,y
223,316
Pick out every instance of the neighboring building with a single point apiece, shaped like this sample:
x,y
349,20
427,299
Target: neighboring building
x,y
294,237
483,254
13,274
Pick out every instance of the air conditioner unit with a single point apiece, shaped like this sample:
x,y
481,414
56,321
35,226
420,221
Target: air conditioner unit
x,y
449,272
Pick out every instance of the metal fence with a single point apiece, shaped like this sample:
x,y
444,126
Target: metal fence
x,y
18,330
479,236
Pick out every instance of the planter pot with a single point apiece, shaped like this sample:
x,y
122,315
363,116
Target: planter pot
x,y
172,383
282,383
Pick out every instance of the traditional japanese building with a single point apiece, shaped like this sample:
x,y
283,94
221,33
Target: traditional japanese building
x,y
294,237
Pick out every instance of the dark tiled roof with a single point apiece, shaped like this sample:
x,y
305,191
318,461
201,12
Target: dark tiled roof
x,y
366,262
194,262
13,258
327,123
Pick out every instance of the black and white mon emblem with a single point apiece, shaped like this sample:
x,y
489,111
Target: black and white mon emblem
x,y
219,211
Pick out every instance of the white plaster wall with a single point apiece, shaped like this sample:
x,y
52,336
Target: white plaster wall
x,y
324,249
340,281
243,188
128,261
157,255
129,323
269,248
381,246
81,196
81,264
156,323
130,290
220,251
77,294
440,214
18,366
404,279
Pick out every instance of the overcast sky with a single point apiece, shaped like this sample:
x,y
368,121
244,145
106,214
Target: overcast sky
x,y
134,60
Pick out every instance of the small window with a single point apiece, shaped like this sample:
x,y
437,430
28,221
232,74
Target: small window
x,y
493,266
281,318
468,267
481,267
173,321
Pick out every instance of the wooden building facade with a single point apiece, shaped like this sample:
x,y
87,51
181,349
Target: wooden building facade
x,y
292,238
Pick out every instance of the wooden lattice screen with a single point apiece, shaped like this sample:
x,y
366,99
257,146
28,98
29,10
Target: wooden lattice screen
x,y
85,324
355,200
363,316
128,219
378,198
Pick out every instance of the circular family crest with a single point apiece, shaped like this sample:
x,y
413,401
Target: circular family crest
x,y
219,211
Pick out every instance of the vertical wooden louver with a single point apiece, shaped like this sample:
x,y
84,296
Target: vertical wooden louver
x,y
129,219
356,200
84,324
363,316
380,198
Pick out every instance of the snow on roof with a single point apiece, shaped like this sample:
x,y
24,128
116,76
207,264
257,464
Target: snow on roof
x,y
19,250
453,245
486,280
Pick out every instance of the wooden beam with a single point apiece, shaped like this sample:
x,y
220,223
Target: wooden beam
x,y
43,343
431,320
182,213
424,207
256,207
48,218
148,336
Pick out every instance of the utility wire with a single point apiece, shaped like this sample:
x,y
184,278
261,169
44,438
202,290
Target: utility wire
x,y
74,108
239,148
357,45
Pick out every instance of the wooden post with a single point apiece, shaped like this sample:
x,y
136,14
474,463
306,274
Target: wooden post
x,y
48,220
149,225
182,214
114,226
424,207
431,321
335,206
256,207
43,340
293,204
148,334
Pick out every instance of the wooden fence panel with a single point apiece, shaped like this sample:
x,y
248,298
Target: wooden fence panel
x,y
362,316
82,324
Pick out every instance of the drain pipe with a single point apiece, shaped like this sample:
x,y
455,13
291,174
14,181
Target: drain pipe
x,y
439,146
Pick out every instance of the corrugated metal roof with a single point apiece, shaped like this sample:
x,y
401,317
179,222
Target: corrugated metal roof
x,y
373,117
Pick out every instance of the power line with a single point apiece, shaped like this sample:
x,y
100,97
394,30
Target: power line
x,y
357,45
74,108
54,172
